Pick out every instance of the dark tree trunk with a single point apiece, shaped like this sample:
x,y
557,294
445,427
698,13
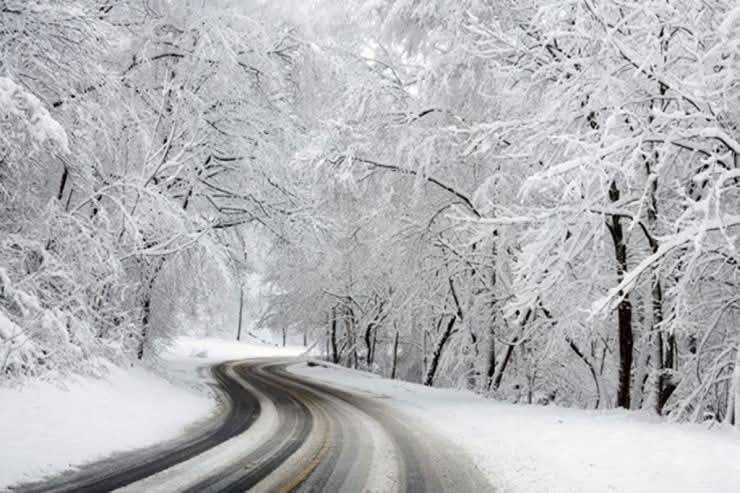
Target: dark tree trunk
x,y
624,310
591,368
395,356
374,344
666,359
369,344
666,346
491,370
146,308
349,326
371,335
504,363
437,354
499,373
146,314
424,356
241,310
63,183
69,199
333,337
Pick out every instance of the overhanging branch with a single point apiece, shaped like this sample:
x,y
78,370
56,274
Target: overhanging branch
x,y
448,188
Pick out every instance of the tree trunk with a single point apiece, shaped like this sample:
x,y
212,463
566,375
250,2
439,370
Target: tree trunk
x,y
327,348
369,344
395,356
241,310
666,353
591,368
504,362
349,326
624,310
333,336
665,345
371,335
643,365
499,373
424,358
733,399
146,308
473,372
491,370
63,183
146,314
374,343
437,353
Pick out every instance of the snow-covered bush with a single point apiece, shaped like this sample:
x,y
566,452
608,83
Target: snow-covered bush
x,y
54,267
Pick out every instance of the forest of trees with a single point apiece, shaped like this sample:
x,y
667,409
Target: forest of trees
x,y
538,201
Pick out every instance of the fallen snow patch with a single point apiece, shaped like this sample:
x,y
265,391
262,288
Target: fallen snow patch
x,y
547,449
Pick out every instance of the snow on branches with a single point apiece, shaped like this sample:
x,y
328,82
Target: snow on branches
x,y
560,180
23,113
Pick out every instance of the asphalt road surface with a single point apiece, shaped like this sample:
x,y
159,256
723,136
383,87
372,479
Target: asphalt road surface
x,y
279,432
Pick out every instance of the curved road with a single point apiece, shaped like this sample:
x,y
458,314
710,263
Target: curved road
x,y
279,432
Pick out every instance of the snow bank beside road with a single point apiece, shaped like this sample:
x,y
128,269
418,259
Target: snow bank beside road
x,y
45,429
547,449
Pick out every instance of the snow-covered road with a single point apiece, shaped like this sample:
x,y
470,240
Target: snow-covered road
x,y
283,432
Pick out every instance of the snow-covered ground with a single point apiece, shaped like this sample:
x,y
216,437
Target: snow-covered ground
x,y
548,449
210,350
48,427
45,428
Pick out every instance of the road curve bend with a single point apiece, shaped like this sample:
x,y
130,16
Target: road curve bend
x,y
282,433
